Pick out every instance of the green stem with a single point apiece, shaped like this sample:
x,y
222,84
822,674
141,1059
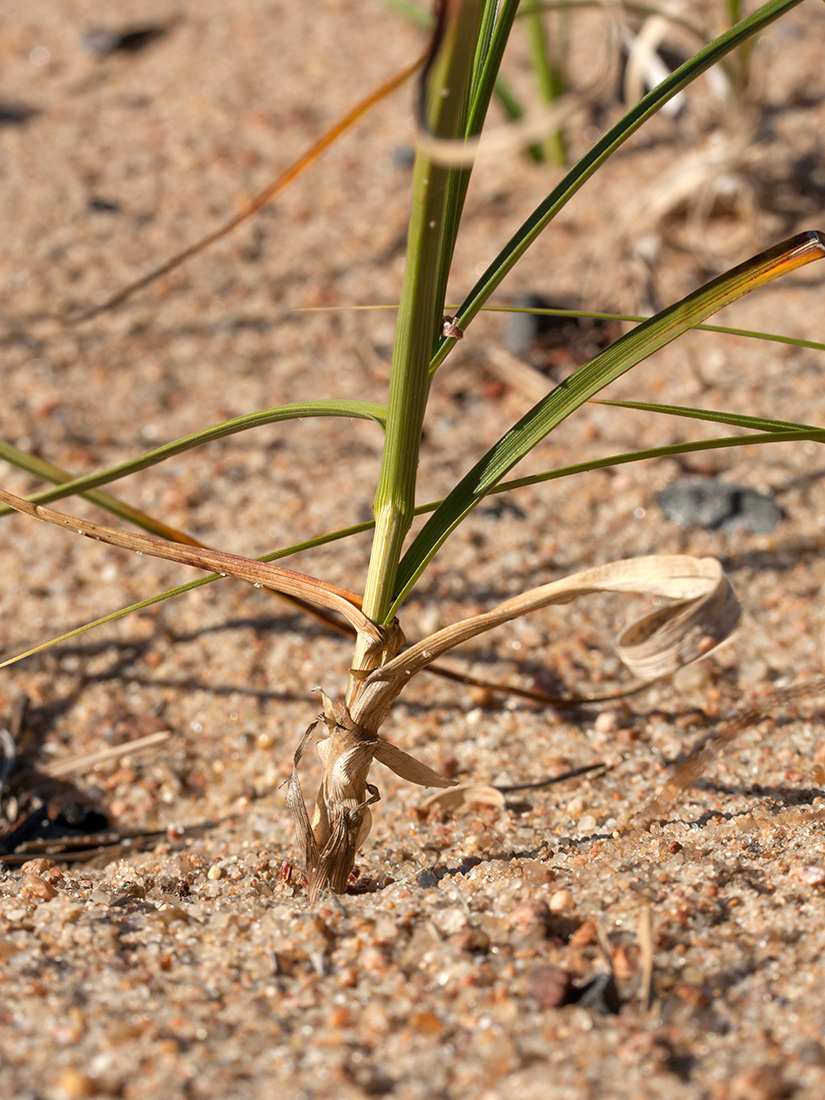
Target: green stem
x,y
421,311
551,83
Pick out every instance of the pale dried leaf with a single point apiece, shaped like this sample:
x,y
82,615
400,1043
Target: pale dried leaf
x,y
342,819
704,616
407,767
89,759
466,796
297,807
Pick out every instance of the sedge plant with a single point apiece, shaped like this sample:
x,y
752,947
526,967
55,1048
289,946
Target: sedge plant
x,y
457,82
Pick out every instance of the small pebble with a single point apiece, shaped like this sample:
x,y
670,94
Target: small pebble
x,y
403,156
35,889
765,1082
34,867
214,872
692,677
75,1085
606,722
426,1023
530,915
705,502
809,874
103,41
575,808
812,1053
427,879
561,901
550,986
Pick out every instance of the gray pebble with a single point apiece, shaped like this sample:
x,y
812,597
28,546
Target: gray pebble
x,y
701,502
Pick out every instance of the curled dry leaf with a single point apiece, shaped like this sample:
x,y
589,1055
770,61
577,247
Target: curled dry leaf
x,y
704,613
466,796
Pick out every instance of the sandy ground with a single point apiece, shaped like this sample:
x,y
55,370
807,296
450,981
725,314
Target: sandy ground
x,y
466,961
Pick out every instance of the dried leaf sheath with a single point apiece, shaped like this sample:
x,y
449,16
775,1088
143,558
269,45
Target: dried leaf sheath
x,y
704,614
342,818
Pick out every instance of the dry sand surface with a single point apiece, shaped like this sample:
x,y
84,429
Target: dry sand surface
x,y
466,960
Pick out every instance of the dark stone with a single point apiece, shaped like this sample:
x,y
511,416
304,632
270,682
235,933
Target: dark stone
x,y
551,342
427,879
103,206
403,156
598,995
719,505
103,41
15,114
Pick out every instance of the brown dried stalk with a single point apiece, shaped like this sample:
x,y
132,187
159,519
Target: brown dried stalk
x,y
260,574
705,613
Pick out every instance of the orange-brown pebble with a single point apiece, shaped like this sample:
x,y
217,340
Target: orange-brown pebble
x,y
549,985
765,1082
426,1023
76,1085
34,867
34,888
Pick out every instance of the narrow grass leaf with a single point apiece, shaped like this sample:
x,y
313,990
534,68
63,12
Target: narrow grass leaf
x,y
587,381
601,151
350,410
756,423
48,472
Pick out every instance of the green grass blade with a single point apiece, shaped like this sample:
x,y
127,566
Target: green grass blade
x,y
816,435
352,410
551,81
737,420
604,148
47,472
495,31
587,381
446,96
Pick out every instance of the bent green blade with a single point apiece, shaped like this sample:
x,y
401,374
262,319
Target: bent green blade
x,y
587,381
615,137
352,410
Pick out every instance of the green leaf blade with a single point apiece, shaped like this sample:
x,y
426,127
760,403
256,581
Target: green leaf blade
x,y
352,410
601,151
588,380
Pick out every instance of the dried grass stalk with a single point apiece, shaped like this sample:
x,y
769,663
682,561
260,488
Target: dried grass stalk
x,y
704,614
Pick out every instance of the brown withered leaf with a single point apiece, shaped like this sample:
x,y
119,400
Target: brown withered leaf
x,y
342,818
